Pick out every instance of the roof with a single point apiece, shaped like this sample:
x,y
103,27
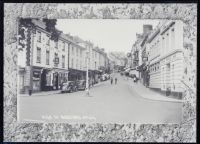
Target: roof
x,y
167,27
153,35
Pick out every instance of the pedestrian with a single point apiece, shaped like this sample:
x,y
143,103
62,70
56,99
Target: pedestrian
x,y
115,80
135,79
111,80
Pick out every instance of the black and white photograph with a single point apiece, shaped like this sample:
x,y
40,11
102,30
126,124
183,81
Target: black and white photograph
x,y
103,71
99,72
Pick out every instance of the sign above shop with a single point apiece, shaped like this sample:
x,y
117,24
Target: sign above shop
x,y
36,74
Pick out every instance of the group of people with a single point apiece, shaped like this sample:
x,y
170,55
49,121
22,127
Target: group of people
x,y
111,80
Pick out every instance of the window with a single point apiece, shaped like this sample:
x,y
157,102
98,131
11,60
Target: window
x,y
76,51
77,63
80,53
48,40
38,55
47,57
95,63
56,44
39,36
72,64
72,50
63,61
56,60
63,46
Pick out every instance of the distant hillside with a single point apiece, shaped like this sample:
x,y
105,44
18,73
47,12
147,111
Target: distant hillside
x,y
117,57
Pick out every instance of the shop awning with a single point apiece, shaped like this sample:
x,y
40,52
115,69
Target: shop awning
x,y
59,70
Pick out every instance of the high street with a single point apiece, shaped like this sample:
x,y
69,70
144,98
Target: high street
x,y
107,103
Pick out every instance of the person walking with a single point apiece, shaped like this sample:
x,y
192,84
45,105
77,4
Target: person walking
x,y
111,80
115,80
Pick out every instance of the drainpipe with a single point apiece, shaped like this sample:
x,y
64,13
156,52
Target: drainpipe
x,y
68,59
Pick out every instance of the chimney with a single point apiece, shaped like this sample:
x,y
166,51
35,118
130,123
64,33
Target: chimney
x,y
147,29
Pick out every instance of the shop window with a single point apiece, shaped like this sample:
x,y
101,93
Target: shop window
x,y
48,80
38,55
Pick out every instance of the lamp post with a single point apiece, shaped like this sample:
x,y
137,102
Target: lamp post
x,y
87,75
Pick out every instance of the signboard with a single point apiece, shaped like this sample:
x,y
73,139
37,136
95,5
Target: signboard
x,y
36,74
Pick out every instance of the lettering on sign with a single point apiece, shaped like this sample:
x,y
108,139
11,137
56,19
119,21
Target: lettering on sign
x,y
36,74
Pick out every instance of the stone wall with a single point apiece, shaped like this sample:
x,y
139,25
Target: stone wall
x,y
185,132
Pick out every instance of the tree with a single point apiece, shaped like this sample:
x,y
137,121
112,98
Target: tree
x,y
26,26
50,27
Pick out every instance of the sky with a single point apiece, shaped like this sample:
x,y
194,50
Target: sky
x,y
112,35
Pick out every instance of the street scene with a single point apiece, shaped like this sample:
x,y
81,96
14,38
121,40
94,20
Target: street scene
x,y
79,71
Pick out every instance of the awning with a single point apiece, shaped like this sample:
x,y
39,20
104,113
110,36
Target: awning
x,y
76,72
59,70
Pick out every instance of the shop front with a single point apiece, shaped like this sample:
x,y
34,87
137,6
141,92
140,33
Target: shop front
x,y
58,77
36,80
51,79
97,75
21,80
75,75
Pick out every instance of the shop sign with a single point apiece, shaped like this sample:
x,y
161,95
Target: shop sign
x,y
36,74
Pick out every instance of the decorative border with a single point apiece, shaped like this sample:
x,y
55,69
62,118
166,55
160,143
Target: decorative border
x,y
35,132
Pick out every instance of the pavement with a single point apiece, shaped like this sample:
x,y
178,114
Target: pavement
x,y
116,103
150,94
45,93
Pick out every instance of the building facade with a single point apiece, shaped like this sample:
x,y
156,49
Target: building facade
x,y
158,56
77,64
171,61
48,61
154,46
